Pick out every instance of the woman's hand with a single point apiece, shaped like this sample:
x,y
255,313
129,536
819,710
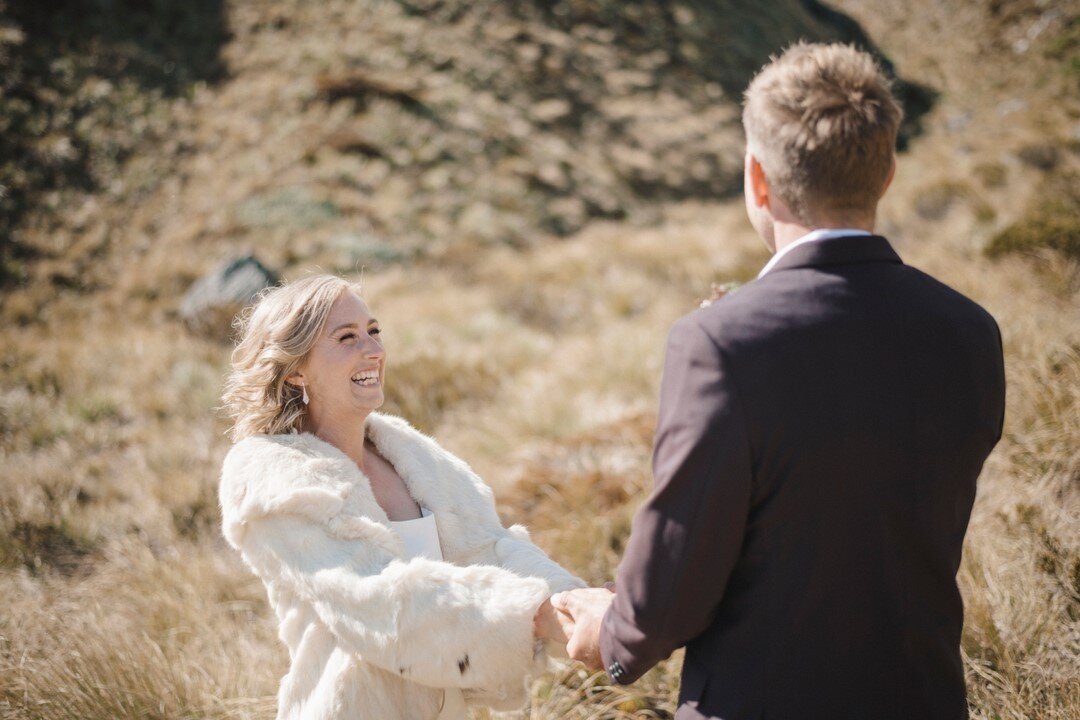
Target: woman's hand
x,y
546,625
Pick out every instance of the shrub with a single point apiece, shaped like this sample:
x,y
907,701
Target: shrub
x,y
1052,224
991,174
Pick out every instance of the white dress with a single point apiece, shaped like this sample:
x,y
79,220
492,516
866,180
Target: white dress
x,y
421,539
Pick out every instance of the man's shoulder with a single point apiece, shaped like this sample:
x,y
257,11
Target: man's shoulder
x,y
765,304
749,311
948,296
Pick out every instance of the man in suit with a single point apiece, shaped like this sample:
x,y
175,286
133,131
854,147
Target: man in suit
x,y
819,437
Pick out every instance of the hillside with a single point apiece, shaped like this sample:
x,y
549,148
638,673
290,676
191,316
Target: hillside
x,y
533,192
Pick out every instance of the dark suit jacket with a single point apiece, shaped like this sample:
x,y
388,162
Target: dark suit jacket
x,y
818,441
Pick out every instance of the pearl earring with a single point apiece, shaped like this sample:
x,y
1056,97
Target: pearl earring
x,y
305,398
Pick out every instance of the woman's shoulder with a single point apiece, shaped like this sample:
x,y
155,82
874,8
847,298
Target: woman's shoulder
x,y
288,452
294,473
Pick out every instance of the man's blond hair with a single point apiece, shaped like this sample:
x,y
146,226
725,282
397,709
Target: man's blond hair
x,y
822,121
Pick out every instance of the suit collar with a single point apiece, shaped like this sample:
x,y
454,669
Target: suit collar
x,y
843,250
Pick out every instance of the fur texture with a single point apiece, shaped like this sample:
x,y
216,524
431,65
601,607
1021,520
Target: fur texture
x,y
370,632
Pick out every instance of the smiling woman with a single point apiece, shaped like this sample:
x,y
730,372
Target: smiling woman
x,y
399,592
341,376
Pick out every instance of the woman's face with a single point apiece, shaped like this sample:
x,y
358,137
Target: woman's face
x,y
345,369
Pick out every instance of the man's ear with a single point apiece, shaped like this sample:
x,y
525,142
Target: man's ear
x,y
759,185
888,180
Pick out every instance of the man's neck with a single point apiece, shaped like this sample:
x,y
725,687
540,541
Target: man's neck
x,y
785,233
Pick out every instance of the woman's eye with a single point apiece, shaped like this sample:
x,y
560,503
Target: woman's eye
x,y
375,331
346,336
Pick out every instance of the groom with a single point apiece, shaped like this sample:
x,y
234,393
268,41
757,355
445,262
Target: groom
x,y
819,436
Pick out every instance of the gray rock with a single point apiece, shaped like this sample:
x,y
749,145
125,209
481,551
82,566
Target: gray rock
x,y
1042,156
212,302
550,110
355,251
292,207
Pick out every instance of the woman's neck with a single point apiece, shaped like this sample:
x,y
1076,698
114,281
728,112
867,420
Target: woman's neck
x,y
343,436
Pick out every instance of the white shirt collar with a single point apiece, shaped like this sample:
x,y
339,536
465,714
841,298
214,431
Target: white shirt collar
x,y
819,234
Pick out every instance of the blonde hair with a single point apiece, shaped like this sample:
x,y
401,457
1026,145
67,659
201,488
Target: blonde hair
x,y
276,334
822,121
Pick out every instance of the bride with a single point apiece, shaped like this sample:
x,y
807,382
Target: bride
x,y
398,591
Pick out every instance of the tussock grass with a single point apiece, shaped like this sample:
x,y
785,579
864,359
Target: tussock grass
x,y
142,637
538,365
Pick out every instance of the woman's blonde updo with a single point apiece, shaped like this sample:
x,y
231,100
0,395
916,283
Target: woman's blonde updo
x,y
276,335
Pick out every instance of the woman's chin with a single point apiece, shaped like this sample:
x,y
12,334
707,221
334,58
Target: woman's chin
x,y
371,397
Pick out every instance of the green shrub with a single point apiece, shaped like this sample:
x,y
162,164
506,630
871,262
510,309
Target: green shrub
x,y
936,200
35,546
1052,224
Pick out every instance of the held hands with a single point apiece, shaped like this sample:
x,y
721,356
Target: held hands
x,y
578,614
546,625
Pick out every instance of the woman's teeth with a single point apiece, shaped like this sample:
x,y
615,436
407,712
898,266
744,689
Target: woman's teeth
x,y
368,377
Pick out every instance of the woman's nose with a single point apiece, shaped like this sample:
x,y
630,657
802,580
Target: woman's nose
x,y
374,348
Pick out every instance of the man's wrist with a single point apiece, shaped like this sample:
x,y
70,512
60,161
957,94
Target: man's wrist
x,y
614,669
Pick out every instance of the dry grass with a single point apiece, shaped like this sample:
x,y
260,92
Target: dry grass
x,y
144,636
539,365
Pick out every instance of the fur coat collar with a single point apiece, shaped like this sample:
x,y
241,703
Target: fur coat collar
x,y
302,474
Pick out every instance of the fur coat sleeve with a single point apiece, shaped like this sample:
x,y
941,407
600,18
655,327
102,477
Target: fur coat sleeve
x,y
517,552
305,520
430,622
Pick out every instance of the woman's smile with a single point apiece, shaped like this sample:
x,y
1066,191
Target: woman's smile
x,y
367,378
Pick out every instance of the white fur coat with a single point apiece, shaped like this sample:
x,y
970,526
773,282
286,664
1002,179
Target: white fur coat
x,y
371,633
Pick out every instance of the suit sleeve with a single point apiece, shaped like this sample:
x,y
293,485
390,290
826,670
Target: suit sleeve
x,y
430,622
686,538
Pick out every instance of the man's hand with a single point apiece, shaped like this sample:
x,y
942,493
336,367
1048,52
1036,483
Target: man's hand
x,y
581,612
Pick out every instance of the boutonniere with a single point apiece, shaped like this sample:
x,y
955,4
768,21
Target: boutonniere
x,y
719,290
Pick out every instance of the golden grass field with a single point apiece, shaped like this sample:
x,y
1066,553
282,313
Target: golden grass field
x,y
537,361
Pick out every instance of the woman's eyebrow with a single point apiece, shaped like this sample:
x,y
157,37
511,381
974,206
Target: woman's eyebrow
x,y
371,322
346,325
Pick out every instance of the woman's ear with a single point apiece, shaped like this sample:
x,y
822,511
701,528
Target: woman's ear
x,y
296,378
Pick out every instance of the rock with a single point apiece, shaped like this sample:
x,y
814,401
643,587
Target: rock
x,y
478,223
213,301
958,121
566,215
1041,156
292,207
548,111
554,176
1007,107
354,251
